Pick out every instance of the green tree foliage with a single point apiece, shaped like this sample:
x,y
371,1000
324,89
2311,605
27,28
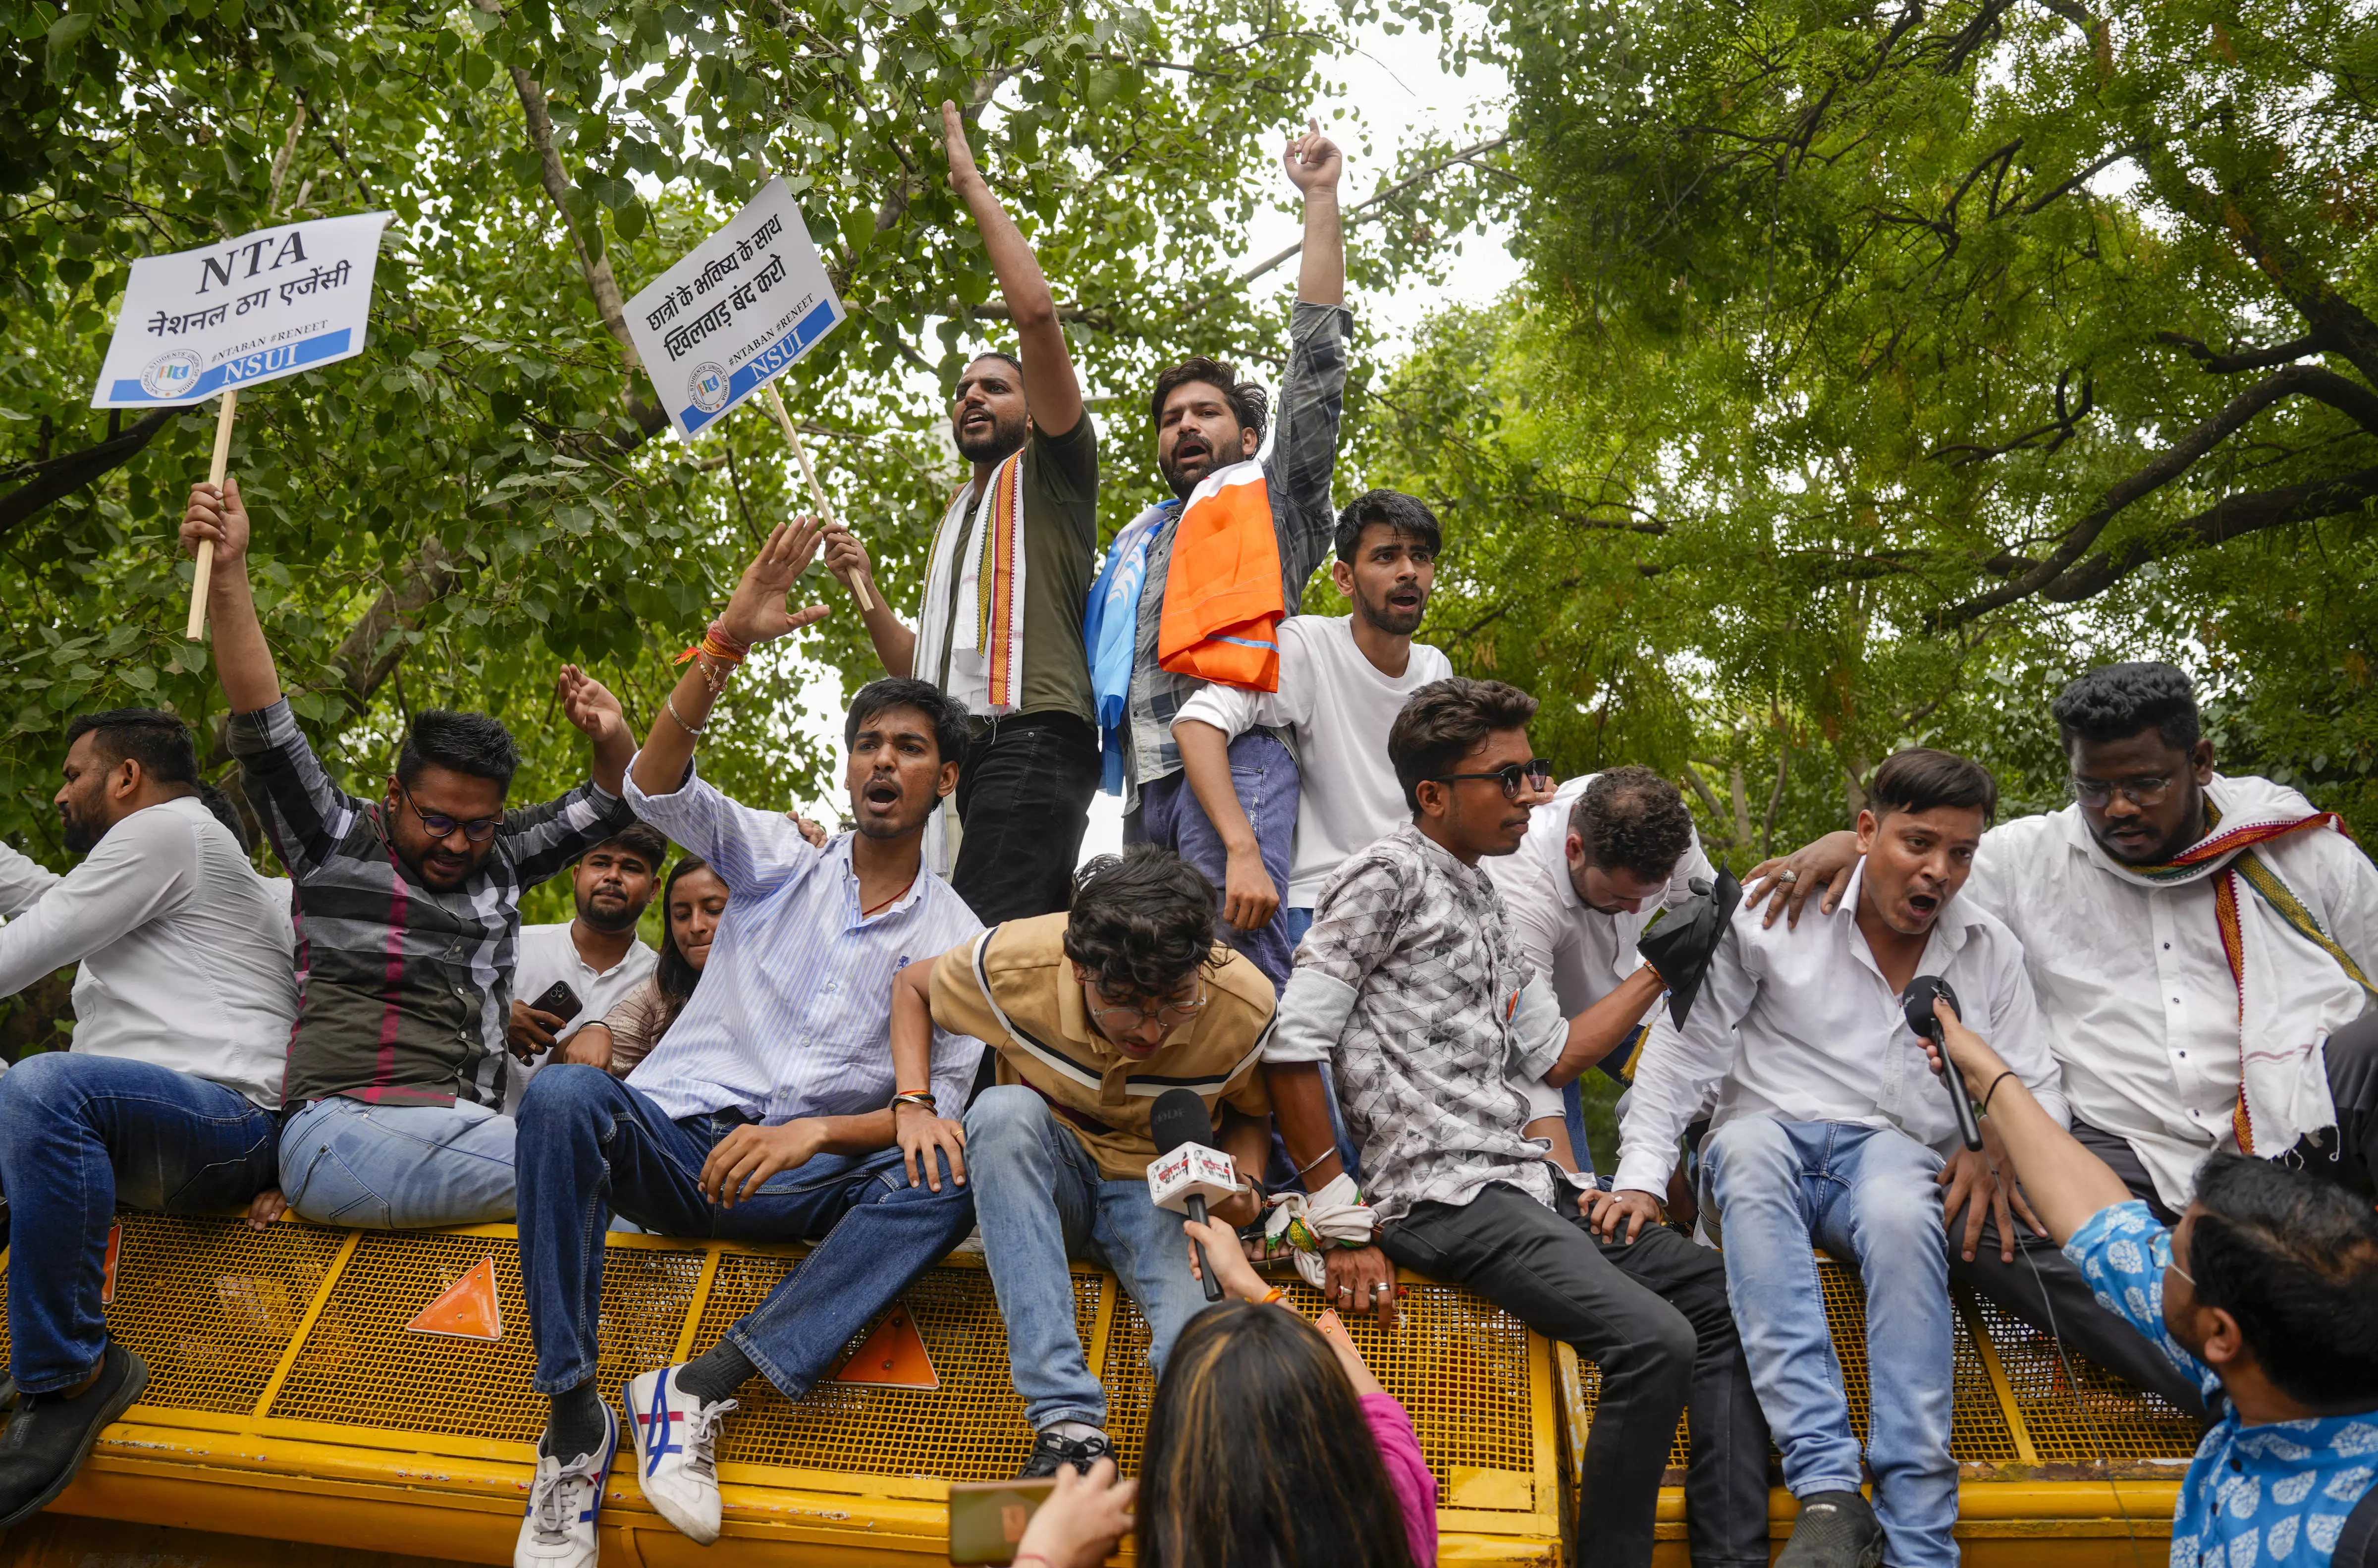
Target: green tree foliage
x,y
489,490
1881,365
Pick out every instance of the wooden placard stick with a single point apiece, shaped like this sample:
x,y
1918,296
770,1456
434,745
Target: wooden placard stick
x,y
817,491
196,630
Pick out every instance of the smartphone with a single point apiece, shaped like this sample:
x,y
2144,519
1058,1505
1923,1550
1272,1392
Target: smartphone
x,y
559,1001
987,1518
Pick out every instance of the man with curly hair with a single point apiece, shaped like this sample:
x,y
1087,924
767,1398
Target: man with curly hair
x,y
1094,1014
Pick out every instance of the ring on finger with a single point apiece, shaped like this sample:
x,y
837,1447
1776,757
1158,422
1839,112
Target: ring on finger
x,y
1787,876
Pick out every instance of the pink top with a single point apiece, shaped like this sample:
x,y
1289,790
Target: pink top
x,y
1407,1471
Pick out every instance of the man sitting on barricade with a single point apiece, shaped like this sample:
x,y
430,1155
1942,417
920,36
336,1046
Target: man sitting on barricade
x,y
166,1099
408,910
2264,1295
766,1110
1408,985
1094,1014
1830,1129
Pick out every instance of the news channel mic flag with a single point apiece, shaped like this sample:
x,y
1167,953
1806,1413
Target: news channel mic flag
x,y
733,315
206,322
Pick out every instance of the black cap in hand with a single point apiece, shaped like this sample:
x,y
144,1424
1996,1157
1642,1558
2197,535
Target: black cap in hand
x,y
1680,946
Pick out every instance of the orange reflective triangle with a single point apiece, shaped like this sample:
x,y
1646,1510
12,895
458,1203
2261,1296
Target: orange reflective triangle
x,y
892,1357
107,1264
467,1309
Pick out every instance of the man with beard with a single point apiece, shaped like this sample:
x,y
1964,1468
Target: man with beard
x,y
765,1112
598,955
408,923
1830,1129
1014,549
166,1100
1195,588
2202,946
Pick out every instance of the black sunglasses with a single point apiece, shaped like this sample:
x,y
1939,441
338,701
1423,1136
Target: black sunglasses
x,y
1536,772
478,830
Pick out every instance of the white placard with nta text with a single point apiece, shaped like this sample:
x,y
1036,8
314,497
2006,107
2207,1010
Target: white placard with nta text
x,y
738,309
256,308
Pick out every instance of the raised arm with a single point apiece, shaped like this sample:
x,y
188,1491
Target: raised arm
x,y
1313,165
895,644
1050,387
756,613
242,662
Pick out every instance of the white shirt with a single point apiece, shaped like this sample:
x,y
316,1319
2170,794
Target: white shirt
x,y
793,1017
547,954
1333,711
188,955
2134,982
1801,1026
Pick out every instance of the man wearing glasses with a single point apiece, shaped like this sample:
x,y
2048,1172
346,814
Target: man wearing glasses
x,y
408,924
1094,1014
1409,986
2202,946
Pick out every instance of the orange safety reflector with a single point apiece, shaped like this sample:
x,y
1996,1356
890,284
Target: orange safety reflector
x,y
107,1265
468,1308
892,1357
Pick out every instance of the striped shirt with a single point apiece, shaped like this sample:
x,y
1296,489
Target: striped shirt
x,y
1297,472
1014,987
404,992
793,1017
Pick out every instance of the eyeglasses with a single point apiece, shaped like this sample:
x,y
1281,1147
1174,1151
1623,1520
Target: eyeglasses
x,y
2138,791
1170,1014
478,830
1535,774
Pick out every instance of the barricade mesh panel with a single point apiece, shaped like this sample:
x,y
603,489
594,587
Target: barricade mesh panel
x,y
1979,1434
1460,1370
2088,1415
210,1304
971,1428
361,1367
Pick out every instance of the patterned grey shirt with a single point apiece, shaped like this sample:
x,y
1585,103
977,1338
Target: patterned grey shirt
x,y
1296,476
1409,987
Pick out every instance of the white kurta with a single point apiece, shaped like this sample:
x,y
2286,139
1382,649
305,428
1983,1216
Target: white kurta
x,y
2143,1008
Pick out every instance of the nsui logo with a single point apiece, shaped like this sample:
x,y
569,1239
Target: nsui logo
x,y
706,385
171,374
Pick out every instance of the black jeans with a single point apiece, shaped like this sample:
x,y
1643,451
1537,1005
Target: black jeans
x,y
2043,1289
1024,803
1654,1316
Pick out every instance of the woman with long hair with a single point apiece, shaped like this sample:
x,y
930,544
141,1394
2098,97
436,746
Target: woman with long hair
x,y
1269,1445
691,901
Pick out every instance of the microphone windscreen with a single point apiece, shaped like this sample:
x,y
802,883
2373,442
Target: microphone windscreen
x,y
1178,1117
1916,1004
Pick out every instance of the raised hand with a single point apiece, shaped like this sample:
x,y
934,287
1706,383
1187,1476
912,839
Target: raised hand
x,y
757,613
954,141
220,516
588,703
1312,160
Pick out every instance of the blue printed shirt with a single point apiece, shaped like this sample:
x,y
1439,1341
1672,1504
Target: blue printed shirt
x,y
2275,1494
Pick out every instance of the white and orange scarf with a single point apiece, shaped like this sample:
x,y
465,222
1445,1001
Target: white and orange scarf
x,y
976,561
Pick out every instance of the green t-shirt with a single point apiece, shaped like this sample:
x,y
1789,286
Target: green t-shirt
x,y
1061,537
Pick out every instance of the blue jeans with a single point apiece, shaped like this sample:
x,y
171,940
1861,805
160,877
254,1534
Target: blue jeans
x,y
1042,1201
1264,778
1775,1190
589,1143
398,1168
77,1134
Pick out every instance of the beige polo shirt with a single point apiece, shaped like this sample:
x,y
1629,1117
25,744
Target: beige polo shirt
x,y
1047,1041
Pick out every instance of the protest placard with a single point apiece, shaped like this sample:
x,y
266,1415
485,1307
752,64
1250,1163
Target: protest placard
x,y
741,307
256,308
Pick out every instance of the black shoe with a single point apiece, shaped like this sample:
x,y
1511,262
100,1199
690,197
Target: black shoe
x,y
49,1436
1836,1529
1051,1453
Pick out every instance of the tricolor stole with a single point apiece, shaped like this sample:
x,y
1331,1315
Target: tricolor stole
x,y
996,610
2257,874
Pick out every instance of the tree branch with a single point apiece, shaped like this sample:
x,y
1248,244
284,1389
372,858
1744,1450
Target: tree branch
x,y
2230,518
360,662
69,472
2249,359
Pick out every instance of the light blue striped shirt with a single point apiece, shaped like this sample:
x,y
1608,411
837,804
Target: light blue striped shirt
x,y
793,1016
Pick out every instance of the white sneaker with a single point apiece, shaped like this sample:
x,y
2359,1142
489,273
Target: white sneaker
x,y
676,1433
559,1531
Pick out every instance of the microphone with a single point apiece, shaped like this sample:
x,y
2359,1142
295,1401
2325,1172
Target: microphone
x,y
1916,1004
1187,1170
